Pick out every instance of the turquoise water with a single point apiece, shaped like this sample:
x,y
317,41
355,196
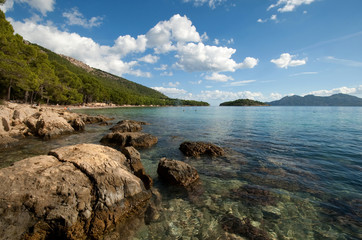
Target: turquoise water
x,y
302,164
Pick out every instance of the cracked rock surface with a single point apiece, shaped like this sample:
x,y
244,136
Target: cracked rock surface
x,y
75,192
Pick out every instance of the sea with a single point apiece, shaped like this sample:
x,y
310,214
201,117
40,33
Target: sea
x,y
288,173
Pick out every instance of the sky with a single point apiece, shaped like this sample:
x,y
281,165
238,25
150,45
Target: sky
x,y
208,50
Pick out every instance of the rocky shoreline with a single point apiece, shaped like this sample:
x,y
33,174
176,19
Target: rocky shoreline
x,y
19,121
90,191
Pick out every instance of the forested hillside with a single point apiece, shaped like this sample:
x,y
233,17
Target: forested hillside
x,y
243,102
31,73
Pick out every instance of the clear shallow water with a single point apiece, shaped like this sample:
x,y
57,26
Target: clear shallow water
x,y
303,165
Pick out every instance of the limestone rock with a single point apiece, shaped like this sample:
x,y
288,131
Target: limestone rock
x,y
77,124
49,124
176,172
95,119
128,126
195,149
134,139
77,192
134,161
7,141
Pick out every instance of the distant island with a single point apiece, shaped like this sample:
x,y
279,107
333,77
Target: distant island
x,y
243,102
311,100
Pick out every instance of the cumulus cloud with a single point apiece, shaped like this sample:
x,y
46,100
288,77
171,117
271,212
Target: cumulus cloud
x,y
149,59
173,84
74,17
286,61
167,74
173,92
212,3
289,5
177,34
178,28
218,77
226,96
163,67
200,57
85,49
127,44
346,90
42,6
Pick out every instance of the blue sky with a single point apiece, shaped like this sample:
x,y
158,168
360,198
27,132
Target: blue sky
x,y
210,50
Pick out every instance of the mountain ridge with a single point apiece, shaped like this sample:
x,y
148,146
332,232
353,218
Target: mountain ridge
x,y
339,99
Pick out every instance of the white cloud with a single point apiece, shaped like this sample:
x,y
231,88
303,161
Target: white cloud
x,y
200,57
274,17
84,49
230,41
226,96
275,96
240,83
212,3
216,41
127,44
345,90
303,73
178,28
42,6
196,83
346,62
286,61
176,34
74,17
173,84
167,74
289,5
173,92
149,59
163,67
218,77
261,20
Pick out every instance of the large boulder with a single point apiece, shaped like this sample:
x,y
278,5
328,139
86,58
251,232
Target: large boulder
x,y
195,149
176,172
77,192
134,139
128,126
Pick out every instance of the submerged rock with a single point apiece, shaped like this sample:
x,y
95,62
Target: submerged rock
x,y
77,192
176,172
128,126
244,228
134,139
195,149
95,119
253,195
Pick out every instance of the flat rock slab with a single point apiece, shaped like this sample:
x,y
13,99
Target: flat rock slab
x,y
196,149
76,192
176,172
